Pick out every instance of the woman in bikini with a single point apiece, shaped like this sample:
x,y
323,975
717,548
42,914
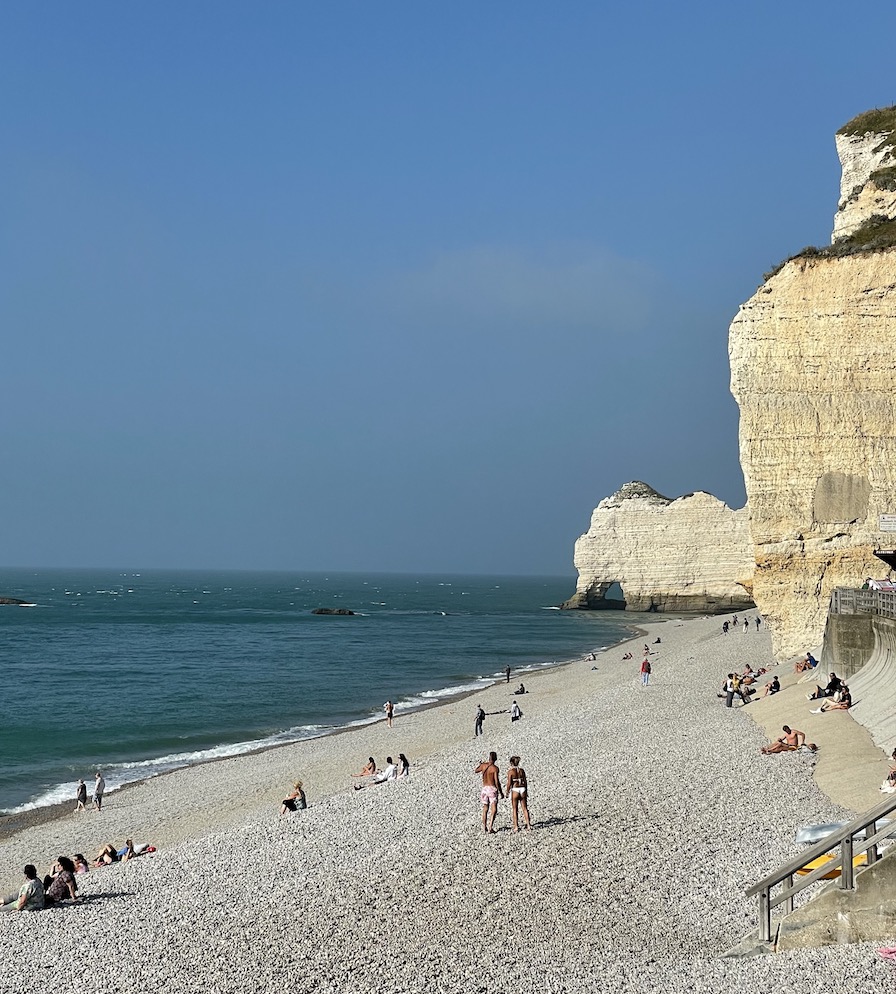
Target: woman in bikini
x,y
516,791
368,770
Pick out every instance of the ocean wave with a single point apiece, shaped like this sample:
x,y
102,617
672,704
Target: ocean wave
x,y
118,775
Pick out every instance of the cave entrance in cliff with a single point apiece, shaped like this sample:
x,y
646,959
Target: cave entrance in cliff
x,y
614,598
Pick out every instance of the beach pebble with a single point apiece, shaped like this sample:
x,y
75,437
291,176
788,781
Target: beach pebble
x,y
652,813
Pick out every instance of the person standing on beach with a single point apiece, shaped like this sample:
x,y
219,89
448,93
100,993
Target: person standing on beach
x,y
507,675
491,789
645,672
758,622
99,788
477,723
516,791
389,708
81,795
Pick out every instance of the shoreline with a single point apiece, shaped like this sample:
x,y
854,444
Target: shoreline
x,y
641,797
14,822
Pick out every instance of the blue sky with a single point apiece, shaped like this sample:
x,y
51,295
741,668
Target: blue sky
x,y
392,286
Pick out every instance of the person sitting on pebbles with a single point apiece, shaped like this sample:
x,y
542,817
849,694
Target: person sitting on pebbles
x,y
295,801
30,896
367,770
790,741
384,776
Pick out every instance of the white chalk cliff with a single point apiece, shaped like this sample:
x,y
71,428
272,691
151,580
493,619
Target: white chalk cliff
x,y
689,554
813,370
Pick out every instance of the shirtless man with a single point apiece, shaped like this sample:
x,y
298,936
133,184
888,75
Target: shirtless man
x,y
790,741
491,790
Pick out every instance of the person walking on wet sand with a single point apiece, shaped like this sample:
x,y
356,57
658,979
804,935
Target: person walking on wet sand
x,y
81,796
491,790
517,790
99,788
389,708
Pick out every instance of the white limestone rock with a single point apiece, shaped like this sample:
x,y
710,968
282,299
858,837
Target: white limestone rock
x,y
867,148
813,369
689,554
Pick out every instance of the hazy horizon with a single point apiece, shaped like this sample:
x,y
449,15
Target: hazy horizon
x,y
391,289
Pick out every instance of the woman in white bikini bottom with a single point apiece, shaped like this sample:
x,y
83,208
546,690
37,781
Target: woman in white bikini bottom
x,y
516,791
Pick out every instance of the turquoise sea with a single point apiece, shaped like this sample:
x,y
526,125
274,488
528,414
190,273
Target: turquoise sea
x,y
137,673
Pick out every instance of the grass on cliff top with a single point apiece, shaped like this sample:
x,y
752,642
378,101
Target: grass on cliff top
x,y
876,234
880,121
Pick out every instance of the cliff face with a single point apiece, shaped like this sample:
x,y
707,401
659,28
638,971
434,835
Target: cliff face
x,y
867,183
689,554
813,370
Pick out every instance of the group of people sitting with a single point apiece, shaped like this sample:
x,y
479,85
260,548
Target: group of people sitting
x,y
60,884
836,694
743,685
373,777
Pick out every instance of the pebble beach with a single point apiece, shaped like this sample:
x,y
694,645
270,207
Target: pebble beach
x,y
652,812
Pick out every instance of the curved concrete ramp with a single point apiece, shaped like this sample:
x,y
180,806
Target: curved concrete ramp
x,y
873,688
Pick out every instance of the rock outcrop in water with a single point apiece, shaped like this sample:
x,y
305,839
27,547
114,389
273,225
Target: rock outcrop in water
x,y
689,554
813,370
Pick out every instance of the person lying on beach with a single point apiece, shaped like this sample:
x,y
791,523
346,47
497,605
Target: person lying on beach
x,y
30,896
295,800
842,702
790,741
772,687
106,856
389,773
491,788
831,688
61,885
628,655
367,770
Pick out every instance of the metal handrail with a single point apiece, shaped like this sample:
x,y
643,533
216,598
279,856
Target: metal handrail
x,y
850,847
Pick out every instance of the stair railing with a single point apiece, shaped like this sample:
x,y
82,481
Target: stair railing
x,y
860,836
